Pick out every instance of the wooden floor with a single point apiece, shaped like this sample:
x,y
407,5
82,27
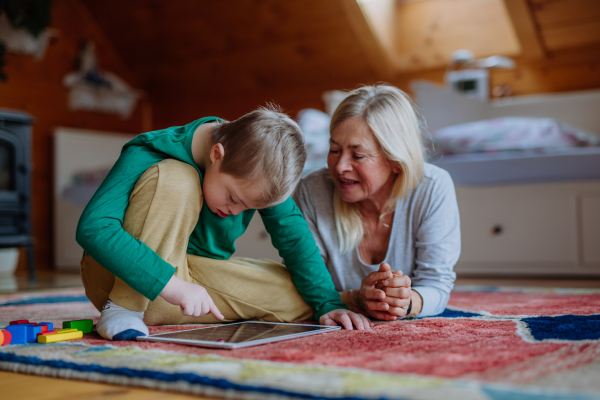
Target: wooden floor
x,y
20,386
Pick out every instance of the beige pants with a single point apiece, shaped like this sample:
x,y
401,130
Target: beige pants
x,y
162,212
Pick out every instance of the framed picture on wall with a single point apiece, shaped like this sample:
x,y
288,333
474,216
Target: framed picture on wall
x,y
82,159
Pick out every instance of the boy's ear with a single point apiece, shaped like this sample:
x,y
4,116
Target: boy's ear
x,y
217,152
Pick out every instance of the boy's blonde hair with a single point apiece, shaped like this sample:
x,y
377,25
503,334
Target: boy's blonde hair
x,y
266,147
390,115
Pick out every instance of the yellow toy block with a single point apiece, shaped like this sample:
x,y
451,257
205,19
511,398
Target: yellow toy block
x,y
59,337
66,330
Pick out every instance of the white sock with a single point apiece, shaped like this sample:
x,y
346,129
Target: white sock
x,y
118,323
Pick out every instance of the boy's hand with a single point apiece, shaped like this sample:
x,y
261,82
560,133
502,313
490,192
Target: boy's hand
x,y
346,318
193,299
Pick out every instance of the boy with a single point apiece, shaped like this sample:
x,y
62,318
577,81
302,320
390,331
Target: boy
x,y
159,232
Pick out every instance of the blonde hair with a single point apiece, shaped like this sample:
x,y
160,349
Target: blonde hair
x,y
264,145
392,118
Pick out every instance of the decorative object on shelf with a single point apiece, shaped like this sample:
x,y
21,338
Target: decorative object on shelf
x,y
95,90
470,76
23,28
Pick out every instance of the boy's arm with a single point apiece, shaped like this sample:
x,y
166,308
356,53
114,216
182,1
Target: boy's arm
x,y
100,231
291,237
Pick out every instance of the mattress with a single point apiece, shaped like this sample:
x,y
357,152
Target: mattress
x,y
522,167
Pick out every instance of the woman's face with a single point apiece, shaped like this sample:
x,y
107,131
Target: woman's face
x,y
357,163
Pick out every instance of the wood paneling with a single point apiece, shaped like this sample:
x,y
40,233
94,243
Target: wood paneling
x,y
557,12
430,30
36,87
525,26
200,57
565,24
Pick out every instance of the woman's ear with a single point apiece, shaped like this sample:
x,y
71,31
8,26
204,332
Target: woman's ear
x,y
396,168
217,153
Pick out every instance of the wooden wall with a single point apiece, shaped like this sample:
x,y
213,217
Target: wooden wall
x,y
36,88
201,57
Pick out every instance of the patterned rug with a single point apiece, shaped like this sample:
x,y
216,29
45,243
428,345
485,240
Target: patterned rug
x,y
489,343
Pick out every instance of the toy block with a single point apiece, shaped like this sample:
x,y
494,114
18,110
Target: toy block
x,y
1,337
48,333
19,333
46,326
66,330
6,339
19,322
83,325
32,332
59,337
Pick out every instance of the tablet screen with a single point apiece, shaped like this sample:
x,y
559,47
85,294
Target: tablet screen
x,y
241,332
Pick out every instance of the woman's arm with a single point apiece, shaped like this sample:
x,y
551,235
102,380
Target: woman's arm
x,y
437,245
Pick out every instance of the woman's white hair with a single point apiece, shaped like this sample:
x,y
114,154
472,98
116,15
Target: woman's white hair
x,y
392,118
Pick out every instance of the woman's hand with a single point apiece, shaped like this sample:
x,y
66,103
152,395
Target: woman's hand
x,y
346,318
398,292
370,299
193,299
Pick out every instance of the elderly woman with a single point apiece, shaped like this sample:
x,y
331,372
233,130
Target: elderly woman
x,y
386,222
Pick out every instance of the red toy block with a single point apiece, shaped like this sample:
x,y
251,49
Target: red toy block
x,y
49,326
49,333
7,338
19,322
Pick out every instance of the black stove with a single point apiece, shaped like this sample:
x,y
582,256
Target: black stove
x,y
15,183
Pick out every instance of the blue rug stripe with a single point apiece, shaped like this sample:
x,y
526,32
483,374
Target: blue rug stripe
x,y
565,327
162,376
47,300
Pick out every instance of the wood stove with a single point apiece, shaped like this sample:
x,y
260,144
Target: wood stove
x,y
15,183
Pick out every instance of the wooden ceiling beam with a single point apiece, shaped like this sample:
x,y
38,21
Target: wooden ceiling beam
x,y
526,28
378,55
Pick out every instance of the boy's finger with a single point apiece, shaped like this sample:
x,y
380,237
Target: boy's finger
x,y
326,320
357,321
366,322
345,320
215,311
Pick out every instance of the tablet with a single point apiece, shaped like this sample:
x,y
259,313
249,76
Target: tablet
x,y
239,334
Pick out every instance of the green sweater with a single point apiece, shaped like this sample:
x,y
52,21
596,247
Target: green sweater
x,y
101,234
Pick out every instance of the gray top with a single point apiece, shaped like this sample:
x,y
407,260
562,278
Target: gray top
x,y
424,242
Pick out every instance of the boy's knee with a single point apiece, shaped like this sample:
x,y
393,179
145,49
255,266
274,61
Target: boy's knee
x,y
173,181
179,177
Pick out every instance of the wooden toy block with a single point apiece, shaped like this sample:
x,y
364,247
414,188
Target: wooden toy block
x,y
1,337
59,337
66,330
46,326
19,333
6,339
49,333
32,332
83,325
19,322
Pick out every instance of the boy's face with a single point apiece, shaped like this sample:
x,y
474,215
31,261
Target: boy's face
x,y
225,194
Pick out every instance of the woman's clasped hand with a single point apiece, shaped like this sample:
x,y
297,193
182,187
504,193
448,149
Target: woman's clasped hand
x,y
384,294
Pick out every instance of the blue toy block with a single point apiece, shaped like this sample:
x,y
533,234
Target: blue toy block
x,y
32,332
19,333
